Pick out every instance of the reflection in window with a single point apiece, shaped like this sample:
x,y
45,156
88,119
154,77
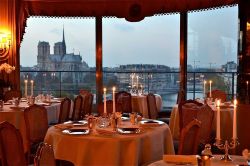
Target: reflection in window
x,y
212,47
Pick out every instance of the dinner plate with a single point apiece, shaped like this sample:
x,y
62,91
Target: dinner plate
x,y
7,103
128,130
43,104
77,123
17,107
125,118
76,131
151,122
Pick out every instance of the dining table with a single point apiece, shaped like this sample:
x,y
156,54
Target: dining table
x,y
15,115
226,120
105,146
139,104
214,161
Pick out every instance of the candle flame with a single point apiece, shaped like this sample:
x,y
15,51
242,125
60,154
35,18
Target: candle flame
x,y
235,102
31,81
210,82
113,88
26,81
247,82
205,82
104,89
218,103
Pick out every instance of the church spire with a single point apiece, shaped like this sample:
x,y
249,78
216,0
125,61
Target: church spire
x,y
63,43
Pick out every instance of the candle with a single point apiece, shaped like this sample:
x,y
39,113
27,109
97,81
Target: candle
x,y
113,99
218,121
104,96
31,87
132,80
247,88
210,88
234,120
204,89
25,87
137,81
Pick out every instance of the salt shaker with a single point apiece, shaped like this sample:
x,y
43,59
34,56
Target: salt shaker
x,y
206,154
114,122
90,122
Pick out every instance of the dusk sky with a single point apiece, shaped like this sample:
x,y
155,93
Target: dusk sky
x,y
155,40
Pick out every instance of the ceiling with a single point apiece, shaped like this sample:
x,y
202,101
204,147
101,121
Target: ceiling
x,y
131,10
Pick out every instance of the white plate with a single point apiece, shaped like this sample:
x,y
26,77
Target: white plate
x,y
125,118
76,131
77,123
128,130
151,122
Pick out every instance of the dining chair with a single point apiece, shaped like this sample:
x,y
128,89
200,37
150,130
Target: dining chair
x,y
180,97
152,107
8,95
216,93
109,104
36,121
188,111
76,114
189,138
87,103
64,110
83,91
44,155
243,127
206,116
11,146
123,102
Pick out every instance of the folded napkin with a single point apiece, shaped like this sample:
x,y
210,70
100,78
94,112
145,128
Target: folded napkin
x,y
180,159
105,131
63,126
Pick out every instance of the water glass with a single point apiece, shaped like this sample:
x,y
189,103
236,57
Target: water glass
x,y
1,104
16,101
132,117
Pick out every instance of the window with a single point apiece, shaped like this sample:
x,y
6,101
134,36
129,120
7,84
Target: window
x,y
145,51
212,50
60,57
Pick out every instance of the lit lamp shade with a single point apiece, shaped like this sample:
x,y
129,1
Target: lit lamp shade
x,y
5,41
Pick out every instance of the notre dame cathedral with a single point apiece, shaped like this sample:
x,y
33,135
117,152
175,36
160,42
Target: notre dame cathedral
x,y
60,60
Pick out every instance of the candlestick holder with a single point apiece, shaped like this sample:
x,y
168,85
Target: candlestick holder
x,y
226,146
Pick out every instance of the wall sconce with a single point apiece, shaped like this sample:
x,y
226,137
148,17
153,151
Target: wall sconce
x,y
5,42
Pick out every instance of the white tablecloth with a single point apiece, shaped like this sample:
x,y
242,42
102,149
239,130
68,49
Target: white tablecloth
x,y
226,122
15,116
139,104
237,160
97,149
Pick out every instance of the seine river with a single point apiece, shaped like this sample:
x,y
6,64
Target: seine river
x,y
169,100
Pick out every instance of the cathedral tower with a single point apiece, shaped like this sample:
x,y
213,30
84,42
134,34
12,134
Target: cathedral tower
x,y
43,54
60,47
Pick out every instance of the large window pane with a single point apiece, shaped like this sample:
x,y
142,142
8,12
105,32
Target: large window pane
x,y
147,50
212,50
59,55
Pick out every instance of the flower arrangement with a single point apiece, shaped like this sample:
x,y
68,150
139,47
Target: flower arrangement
x,y
7,68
